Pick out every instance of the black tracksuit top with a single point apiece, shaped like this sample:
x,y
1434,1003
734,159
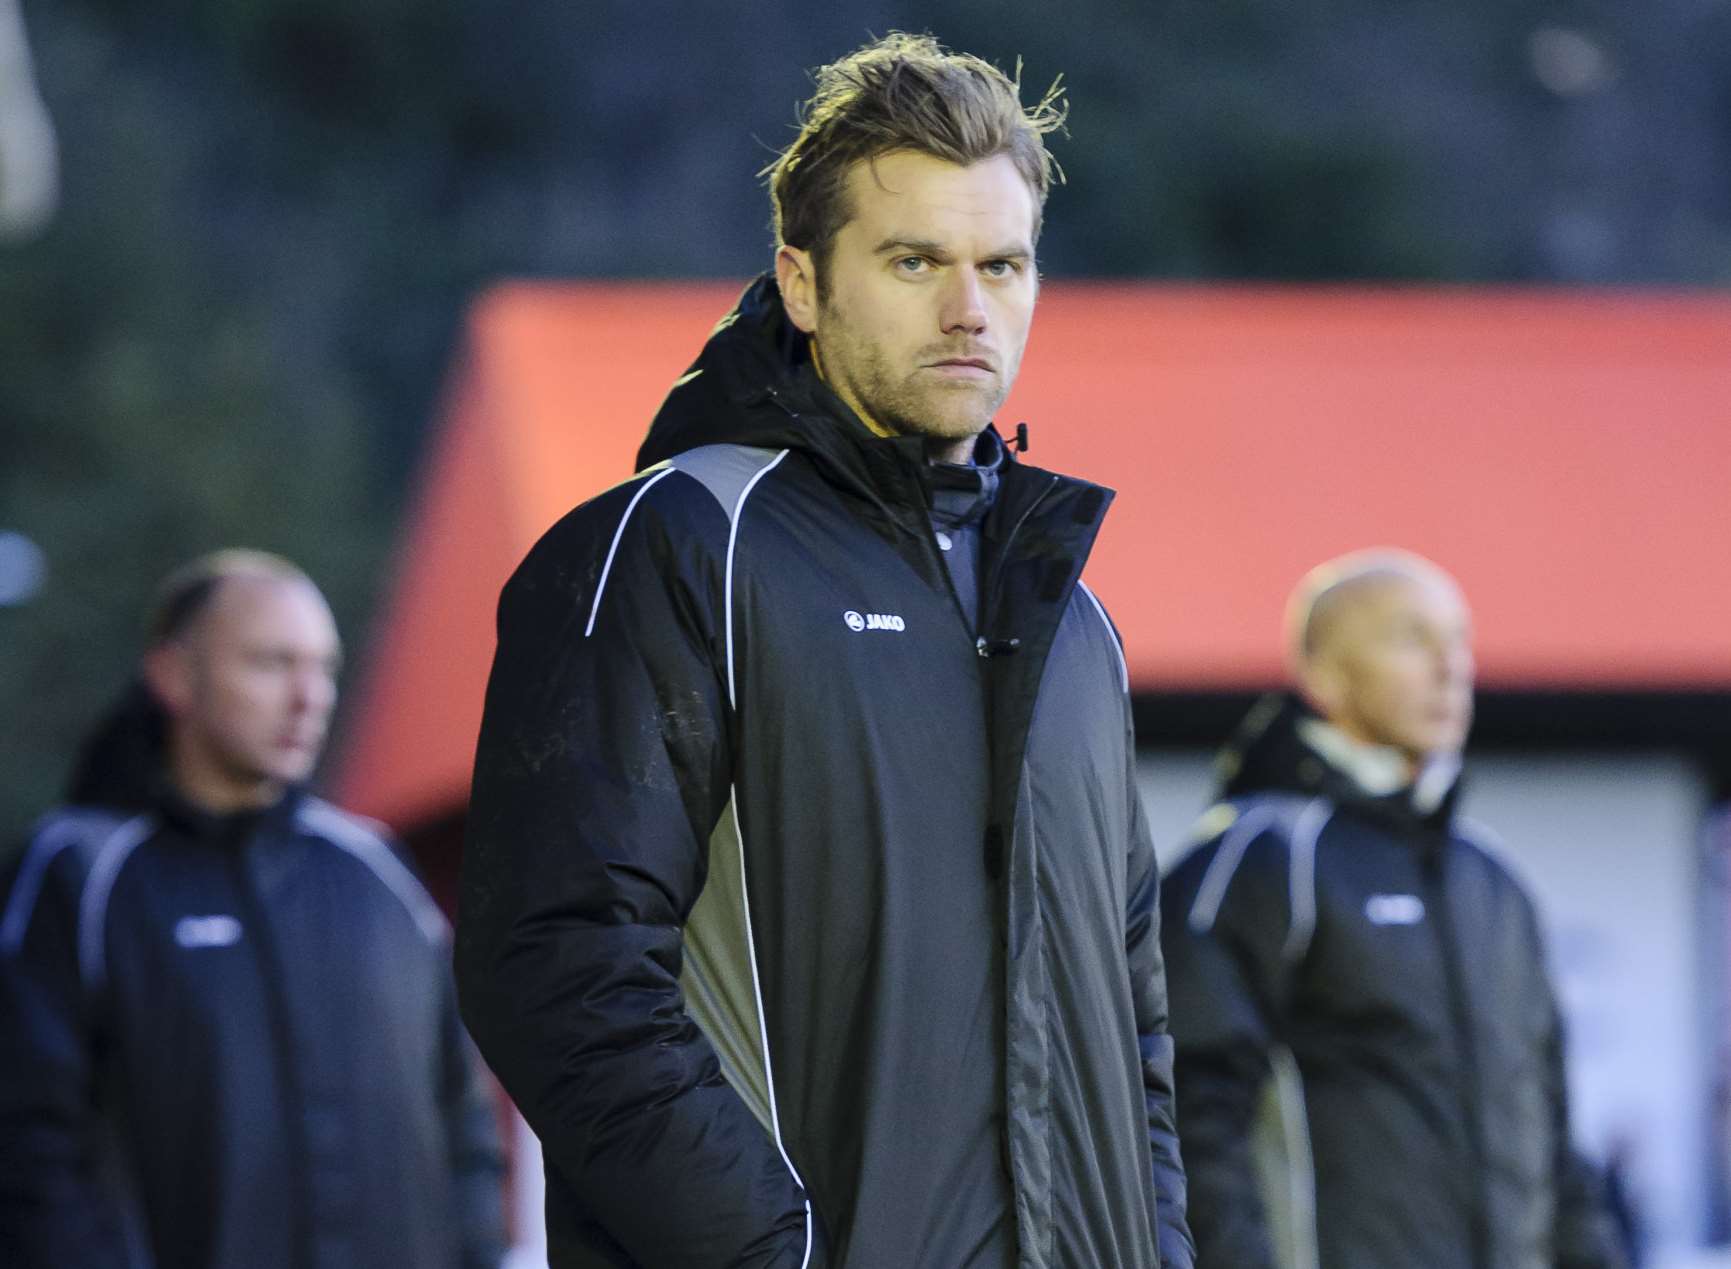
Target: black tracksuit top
x,y
1403,968
233,1041
806,925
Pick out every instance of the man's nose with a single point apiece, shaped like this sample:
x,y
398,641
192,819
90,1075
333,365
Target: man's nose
x,y
1454,662
313,691
964,310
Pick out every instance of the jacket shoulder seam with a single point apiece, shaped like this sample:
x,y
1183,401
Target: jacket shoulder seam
x,y
110,858
1111,633
1295,824
613,546
725,470
353,835
1493,848
727,583
53,834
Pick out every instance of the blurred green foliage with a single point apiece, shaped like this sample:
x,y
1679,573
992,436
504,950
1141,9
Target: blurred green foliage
x,y
275,212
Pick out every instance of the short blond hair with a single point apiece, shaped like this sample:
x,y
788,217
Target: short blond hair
x,y
186,592
904,93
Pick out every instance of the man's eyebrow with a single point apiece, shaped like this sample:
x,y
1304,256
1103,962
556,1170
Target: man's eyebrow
x,y
911,246
927,247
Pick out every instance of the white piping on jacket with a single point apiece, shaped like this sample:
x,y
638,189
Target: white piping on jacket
x,y
1300,1160
1302,859
744,888
22,905
732,542
1301,872
325,821
93,907
618,533
763,1026
1123,665
1212,892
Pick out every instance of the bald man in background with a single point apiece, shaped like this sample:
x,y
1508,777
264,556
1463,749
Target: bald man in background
x,y
228,1030
1350,964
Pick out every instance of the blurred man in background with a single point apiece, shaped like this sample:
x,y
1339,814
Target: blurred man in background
x,y
1344,935
763,926
228,1035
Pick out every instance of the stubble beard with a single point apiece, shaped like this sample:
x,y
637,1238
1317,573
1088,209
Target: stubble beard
x,y
936,410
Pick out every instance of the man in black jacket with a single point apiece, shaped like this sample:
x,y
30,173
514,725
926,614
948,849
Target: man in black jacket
x,y
1343,935
228,1032
808,911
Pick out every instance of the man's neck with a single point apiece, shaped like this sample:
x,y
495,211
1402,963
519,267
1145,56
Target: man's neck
x,y
960,453
204,785
847,399
1380,770
1377,769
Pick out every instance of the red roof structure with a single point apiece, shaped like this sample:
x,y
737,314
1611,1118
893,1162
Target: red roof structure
x,y
1567,455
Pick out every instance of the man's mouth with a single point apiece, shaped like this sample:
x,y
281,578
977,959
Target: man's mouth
x,y
963,367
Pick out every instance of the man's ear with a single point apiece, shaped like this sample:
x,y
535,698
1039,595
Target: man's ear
x,y
796,275
1322,682
167,672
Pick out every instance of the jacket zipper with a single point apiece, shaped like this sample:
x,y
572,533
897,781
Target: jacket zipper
x,y
987,647
282,1046
1437,899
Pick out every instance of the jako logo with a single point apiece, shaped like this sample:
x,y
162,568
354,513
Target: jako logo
x,y
207,931
873,621
1394,909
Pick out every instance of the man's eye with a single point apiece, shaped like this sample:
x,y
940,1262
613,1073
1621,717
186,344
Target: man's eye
x,y
1000,268
912,264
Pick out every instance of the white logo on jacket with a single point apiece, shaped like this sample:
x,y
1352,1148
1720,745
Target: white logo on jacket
x,y
207,931
873,621
1394,909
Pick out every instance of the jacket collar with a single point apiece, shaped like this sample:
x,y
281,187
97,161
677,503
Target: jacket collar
x,y
962,493
1381,771
753,384
231,828
1283,746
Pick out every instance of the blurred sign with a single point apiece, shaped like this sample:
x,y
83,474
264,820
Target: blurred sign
x,y
23,568
29,161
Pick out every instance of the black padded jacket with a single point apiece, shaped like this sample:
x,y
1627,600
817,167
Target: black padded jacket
x,y
806,924
1384,949
233,1040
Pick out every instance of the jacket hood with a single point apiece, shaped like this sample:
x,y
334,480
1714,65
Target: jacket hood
x,y
120,762
1270,752
754,384
728,395
122,766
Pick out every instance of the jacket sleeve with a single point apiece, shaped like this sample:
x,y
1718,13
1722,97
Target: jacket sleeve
x,y
477,1158
1148,973
603,765
1585,1236
1228,979
54,1208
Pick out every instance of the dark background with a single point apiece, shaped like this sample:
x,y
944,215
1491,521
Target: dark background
x,y
274,212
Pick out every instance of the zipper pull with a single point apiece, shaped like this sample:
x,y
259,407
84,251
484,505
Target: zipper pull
x,y
996,647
